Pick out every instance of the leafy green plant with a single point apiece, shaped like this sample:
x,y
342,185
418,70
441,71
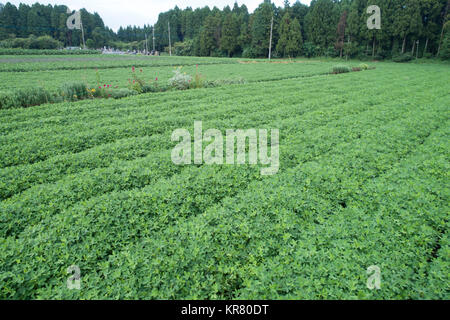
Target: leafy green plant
x,y
180,81
403,58
24,98
198,81
341,69
73,91
224,82
363,181
121,93
364,66
136,83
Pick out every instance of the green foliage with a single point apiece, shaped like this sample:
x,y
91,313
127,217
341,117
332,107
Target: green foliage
x,y
444,54
73,91
260,29
44,21
363,181
24,98
230,33
403,58
290,42
27,52
122,93
136,83
223,82
364,66
341,69
33,43
185,48
236,32
180,80
311,50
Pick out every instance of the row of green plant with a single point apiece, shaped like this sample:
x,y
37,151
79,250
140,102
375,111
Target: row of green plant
x,y
19,178
345,69
39,52
32,42
75,91
88,124
72,91
136,85
145,229
44,63
252,72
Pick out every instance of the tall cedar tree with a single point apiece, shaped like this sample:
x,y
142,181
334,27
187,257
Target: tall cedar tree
x,y
342,25
290,41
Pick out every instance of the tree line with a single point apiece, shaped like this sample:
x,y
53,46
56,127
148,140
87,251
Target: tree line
x,y
324,28
40,20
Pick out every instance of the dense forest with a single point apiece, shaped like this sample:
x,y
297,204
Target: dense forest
x,y
325,28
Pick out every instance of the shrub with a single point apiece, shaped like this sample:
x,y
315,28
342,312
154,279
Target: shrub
x,y
185,48
364,66
73,91
24,98
331,52
445,49
351,49
403,58
198,81
356,69
47,42
40,43
249,53
223,82
137,84
310,50
155,87
180,81
341,69
122,93
19,51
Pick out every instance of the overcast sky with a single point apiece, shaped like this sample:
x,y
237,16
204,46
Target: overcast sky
x,y
116,13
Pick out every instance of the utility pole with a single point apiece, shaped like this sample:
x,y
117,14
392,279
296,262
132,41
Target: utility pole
x,y
270,42
170,43
82,34
146,44
153,29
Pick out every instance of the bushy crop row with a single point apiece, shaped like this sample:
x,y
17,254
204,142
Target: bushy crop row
x,y
120,76
209,234
107,179
362,182
37,63
126,122
36,52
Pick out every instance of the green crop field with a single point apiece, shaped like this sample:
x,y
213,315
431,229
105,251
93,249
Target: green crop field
x,y
363,181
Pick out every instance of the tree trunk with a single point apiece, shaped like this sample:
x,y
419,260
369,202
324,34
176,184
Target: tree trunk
x,y
413,48
443,28
404,45
346,52
373,48
417,51
426,47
